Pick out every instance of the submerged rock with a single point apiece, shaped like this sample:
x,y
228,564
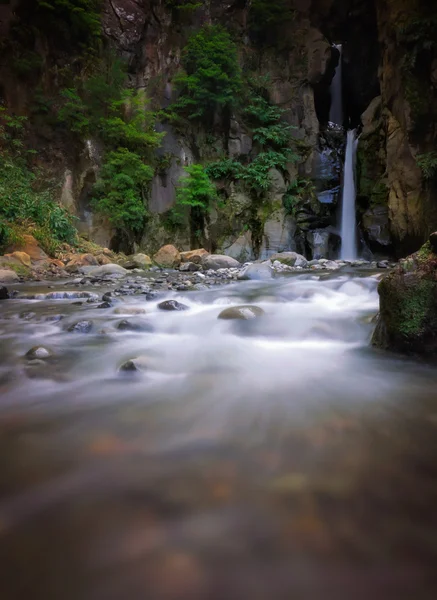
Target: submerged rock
x,y
134,325
81,327
407,320
38,352
172,305
4,293
138,364
244,312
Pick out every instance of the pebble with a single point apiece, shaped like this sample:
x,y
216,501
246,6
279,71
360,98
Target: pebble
x,y
38,352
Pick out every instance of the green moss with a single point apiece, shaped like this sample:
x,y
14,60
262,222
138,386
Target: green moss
x,y
20,270
425,252
407,310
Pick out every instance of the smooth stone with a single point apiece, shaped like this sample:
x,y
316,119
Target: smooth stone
x,y
81,327
194,256
129,310
244,312
292,259
190,267
54,318
134,325
8,276
111,269
38,352
172,305
141,261
104,305
27,315
4,293
138,364
219,261
256,272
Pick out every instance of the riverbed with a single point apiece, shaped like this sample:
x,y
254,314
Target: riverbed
x,y
280,457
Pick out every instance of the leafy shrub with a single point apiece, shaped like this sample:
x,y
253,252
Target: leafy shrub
x,y
120,192
195,189
211,78
428,163
22,205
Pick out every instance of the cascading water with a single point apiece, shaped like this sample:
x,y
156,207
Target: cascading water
x,y
348,217
336,110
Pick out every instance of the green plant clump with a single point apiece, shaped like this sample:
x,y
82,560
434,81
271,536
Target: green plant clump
x,y
428,163
211,79
103,108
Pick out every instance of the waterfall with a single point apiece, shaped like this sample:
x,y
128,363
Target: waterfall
x,y
336,110
348,217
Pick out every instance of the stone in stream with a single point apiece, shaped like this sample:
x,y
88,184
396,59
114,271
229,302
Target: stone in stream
x,y
138,364
111,269
38,352
27,315
256,272
104,305
244,312
219,261
8,276
135,325
189,267
292,259
172,305
81,327
4,293
54,318
129,310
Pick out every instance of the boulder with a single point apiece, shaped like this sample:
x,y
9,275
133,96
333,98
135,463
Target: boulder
x,y
21,257
257,271
4,293
81,327
80,260
407,320
189,267
135,325
110,269
28,245
168,257
219,261
376,225
194,256
141,261
103,259
292,259
38,352
8,276
172,305
244,312
135,365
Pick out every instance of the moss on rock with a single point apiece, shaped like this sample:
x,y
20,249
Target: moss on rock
x,y
408,305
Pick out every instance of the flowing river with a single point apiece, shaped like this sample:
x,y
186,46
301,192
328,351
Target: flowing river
x,y
277,458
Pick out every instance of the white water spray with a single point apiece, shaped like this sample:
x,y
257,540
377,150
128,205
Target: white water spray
x,y
336,110
348,217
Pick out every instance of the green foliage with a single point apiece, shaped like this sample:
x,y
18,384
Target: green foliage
x,y
104,109
266,17
211,78
297,193
120,190
70,19
428,163
183,5
195,189
11,131
25,206
227,168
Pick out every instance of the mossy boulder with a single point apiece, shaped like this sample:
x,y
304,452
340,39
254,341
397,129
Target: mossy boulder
x,y
407,320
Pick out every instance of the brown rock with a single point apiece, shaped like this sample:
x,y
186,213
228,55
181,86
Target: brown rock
x,y
22,257
168,257
81,260
29,246
194,256
103,259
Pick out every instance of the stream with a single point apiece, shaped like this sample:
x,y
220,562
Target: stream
x,y
277,458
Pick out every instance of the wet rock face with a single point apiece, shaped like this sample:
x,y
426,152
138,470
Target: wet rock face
x,y
407,321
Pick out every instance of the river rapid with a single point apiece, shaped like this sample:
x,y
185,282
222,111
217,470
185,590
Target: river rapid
x,y
276,458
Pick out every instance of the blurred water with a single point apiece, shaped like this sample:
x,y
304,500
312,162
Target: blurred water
x,y
279,457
